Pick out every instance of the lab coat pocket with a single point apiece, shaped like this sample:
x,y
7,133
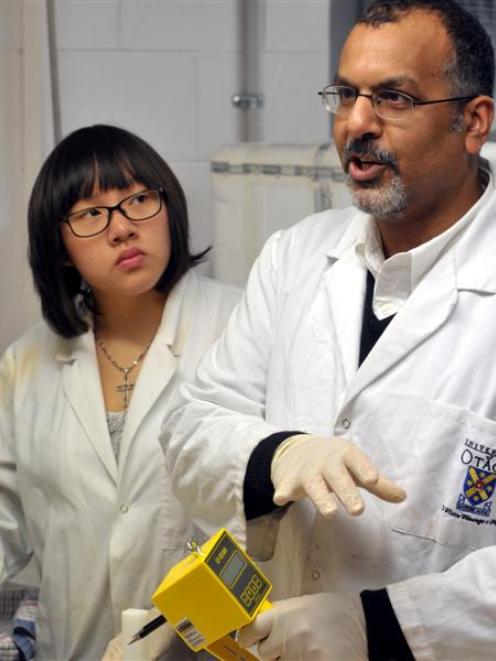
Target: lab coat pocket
x,y
446,461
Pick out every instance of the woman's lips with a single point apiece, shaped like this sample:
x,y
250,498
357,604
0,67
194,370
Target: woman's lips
x,y
364,170
130,259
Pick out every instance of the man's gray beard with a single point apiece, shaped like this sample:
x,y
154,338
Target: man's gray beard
x,y
384,201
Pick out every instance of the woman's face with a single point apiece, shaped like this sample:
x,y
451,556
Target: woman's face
x,y
128,257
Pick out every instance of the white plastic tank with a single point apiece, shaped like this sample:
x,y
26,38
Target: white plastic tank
x,y
259,188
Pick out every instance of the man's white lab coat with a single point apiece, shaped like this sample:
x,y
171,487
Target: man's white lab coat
x,y
422,405
102,535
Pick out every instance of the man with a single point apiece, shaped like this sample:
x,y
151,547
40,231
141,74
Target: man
x,y
364,344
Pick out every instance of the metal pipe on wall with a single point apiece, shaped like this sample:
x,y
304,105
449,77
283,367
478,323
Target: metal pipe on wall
x,y
54,70
249,100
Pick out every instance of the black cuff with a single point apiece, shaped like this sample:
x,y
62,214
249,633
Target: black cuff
x,y
258,490
385,638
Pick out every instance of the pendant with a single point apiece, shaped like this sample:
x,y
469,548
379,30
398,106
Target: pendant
x,y
125,388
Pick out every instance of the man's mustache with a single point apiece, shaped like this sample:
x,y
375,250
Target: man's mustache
x,y
366,150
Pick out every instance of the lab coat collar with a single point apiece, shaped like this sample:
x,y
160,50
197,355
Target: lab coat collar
x,y
357,221
474,251
176,314
425,311
81,380
167,333
70,348
83,390
469,266
474,254
161,359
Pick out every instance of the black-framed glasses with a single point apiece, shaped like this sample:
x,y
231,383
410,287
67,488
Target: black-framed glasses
x,y
94,220
388,104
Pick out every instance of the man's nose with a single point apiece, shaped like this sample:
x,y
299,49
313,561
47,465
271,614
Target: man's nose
x,y
362,119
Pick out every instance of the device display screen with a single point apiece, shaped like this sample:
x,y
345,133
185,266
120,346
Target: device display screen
x,y
240,576
232,570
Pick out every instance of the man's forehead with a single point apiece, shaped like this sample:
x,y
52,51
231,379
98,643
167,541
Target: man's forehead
x,y
415,47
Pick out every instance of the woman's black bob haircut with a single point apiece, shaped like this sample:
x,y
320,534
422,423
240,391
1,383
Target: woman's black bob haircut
x,y
105,157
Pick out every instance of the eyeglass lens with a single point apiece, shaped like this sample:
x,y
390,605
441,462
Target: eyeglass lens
x,y
388,104
94,220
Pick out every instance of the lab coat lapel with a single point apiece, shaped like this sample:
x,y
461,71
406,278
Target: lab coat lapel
x,y
346,275
161,361
156,372
82,387
464,268
335,316
427,309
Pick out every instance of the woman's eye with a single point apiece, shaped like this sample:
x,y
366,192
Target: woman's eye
x,y
88,214
140,198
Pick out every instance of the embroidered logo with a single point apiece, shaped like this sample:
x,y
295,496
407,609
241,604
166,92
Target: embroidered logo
x,y
477,491
480,480
479,484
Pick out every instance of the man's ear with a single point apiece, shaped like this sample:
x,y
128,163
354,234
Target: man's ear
x,y
478,115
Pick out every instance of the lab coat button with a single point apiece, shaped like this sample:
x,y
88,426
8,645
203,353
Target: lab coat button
x,y
316,574
124,509
346,423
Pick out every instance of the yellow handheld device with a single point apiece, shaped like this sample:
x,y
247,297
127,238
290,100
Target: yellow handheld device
x,y
214,591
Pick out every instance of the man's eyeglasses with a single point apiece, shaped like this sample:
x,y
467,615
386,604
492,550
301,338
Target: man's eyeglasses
x,y
388,104
94,220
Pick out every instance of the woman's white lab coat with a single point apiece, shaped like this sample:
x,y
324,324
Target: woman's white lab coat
x,y
422,405
102,535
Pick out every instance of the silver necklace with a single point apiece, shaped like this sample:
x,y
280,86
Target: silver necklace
x,y
125,388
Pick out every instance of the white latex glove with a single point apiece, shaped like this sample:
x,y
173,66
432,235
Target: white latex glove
x,y
151,648
316,627
160,640
115,650
324,468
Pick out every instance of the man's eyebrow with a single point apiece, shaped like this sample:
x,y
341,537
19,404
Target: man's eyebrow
x,y
399,81
339,80
387,83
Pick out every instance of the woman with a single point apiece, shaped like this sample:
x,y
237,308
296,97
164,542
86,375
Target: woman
x,y
82,394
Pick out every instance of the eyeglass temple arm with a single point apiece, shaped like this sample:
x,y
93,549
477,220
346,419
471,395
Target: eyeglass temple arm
x,y
452,98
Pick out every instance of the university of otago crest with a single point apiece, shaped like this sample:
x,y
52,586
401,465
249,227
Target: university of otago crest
x,y
479,483
478,489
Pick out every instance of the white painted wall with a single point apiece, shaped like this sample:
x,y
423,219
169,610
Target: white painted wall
x,y
295,66
24,140
166,70
12,235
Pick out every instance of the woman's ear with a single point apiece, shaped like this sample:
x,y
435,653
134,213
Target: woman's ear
x,y
478,116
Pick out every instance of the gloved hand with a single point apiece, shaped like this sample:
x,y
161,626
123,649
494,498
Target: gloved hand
x,y
115,650
317,627
155,644
316,466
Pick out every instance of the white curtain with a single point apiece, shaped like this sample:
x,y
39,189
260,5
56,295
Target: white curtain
x,y
26,136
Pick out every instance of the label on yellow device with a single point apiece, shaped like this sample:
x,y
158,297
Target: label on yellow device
x,y
227,649
215,590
